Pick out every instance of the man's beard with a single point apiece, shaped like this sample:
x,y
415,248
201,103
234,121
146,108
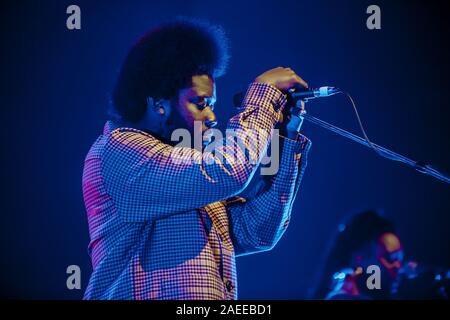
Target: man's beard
x,y
175,122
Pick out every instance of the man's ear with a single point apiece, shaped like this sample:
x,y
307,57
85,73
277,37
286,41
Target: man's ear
x,y
159,107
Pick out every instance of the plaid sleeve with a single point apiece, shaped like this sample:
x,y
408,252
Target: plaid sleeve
x,y
259,220
148,179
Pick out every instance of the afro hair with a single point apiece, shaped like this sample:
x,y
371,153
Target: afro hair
x,y
164,60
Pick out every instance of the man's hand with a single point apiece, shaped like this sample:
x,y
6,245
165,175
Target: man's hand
x,y
281,78
295,121
285,79
291,121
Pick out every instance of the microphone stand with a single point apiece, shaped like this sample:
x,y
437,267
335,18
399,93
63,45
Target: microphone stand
x,y
418,165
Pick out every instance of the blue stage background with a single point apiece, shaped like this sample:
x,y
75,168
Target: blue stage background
x,y
54,92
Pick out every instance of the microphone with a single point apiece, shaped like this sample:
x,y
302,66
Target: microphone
x,y
305,94
308,94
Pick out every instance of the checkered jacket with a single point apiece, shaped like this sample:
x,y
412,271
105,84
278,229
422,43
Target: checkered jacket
x,y
165,230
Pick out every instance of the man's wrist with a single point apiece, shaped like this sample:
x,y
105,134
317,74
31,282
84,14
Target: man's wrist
x,y
292,136
265,95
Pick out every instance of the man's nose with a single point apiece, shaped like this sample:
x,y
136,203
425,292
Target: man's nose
x,y
210,118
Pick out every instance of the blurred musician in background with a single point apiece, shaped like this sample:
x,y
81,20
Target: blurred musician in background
x,y
368,239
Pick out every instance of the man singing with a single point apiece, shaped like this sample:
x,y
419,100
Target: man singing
x,y
166,229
